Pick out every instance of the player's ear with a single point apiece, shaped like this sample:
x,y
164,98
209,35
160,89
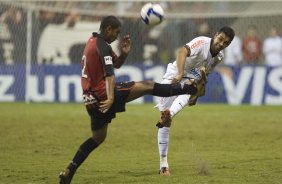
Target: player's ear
x,y
229,42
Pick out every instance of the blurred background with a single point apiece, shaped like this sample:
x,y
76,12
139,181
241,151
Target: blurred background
x,y
41,46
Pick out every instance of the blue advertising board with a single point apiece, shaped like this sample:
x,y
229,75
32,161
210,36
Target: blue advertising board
x,y
254,85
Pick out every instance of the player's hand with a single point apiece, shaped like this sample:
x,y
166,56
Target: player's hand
x,y
125,44
201,83
177,79
106,105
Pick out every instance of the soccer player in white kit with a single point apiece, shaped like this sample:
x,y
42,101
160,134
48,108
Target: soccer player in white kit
x,y
200,53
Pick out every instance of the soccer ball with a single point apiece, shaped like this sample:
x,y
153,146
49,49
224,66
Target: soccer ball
x,y
152,14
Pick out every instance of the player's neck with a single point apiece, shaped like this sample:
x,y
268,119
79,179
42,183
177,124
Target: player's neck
x,y
212,51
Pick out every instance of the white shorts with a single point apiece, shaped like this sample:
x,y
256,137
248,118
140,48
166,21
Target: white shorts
x,y
166,102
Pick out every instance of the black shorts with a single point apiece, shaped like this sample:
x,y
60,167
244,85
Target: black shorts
x,y
99,119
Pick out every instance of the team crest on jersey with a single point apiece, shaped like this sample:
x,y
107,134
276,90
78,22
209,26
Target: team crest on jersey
x,y
108,60
195,72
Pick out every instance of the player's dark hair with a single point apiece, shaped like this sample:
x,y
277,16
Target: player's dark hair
x,y
228,31
110,21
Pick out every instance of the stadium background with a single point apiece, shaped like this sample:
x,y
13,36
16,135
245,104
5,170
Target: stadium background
x,y
41,44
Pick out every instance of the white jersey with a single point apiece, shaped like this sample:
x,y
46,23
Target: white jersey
x,y
200,56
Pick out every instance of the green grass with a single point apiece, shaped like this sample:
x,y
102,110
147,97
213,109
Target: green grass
x,y
210,144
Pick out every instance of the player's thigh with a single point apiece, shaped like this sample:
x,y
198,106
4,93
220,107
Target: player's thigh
x,y
164,103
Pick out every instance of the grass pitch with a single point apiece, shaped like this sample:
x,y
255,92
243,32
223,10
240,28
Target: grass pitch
x,y
210,144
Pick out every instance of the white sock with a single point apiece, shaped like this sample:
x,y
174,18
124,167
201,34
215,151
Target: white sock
x,y
163,141
178,104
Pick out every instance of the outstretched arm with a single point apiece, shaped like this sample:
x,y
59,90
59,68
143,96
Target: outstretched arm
x,y
180,61
125,48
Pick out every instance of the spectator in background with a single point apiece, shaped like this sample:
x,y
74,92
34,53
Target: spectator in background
x,y
272,48
204,28
233,53
5,38
47,17
252,47
16,21
72,18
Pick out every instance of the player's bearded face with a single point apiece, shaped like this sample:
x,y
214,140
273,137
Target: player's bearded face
x,y
220,41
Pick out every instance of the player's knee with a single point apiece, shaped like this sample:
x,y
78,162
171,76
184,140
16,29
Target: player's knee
x,y
99,139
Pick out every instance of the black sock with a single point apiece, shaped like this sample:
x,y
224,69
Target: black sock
x,y
159,125
166,90
84,150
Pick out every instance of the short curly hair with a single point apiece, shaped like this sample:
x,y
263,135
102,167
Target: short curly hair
x,y
110,21
228,31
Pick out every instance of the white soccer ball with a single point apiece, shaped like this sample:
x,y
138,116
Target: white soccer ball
x,y
152,14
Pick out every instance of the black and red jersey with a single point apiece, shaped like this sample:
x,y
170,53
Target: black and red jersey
x,y
97,63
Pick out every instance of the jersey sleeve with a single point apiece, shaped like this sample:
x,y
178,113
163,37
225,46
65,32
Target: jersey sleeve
x,y
107,57
196,45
